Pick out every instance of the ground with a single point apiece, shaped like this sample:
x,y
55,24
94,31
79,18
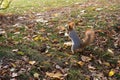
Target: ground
x,y
32,45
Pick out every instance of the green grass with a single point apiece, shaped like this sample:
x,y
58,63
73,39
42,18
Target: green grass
x,y
55,55
23,6
29,6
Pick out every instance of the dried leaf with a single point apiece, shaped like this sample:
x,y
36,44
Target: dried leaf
x,y
32,62
12,69
42,30
14,65
14,74
20,53
36,75
85,58
111,73
106,64
36,38
2,32
80,63
54,75
110,51
99,9
15,50
17,33
61,28
91,67
56,15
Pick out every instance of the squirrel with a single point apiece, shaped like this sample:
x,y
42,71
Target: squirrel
x,y
77,43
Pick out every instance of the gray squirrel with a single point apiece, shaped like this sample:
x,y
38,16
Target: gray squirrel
x,y
77,43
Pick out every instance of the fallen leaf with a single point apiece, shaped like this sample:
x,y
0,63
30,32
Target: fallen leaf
x,y
12,69
80,63
36,75
14,74
20,53
17,33
85,58
56,14
14,65
42,30
36,38
91,67
111,73
54,75
110,51
82,11
2,32
32,62
106,63
61,28
99,9
14,50
58,67
41,20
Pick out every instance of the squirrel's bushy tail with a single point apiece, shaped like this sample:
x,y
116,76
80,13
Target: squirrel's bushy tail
x,y
89,37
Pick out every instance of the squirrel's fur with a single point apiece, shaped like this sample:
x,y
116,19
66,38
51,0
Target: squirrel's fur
x,y
77,43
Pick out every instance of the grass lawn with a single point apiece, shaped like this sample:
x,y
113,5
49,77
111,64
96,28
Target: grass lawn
x,y
35,49
23,6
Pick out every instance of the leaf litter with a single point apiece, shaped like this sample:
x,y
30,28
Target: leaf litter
x,y
54,60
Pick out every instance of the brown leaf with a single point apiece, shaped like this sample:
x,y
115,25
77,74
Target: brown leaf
x,y
61,28
85,58
80,63
54,75
91,67
32,62
106,64
36,75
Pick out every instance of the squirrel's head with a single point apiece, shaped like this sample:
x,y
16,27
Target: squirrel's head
x,y
71,26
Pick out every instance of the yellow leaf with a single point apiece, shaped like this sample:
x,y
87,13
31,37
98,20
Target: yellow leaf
x,y
36,38
80,63
111,73
20,53
14,65
36,75
56,15
32,62
54,75
106,64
